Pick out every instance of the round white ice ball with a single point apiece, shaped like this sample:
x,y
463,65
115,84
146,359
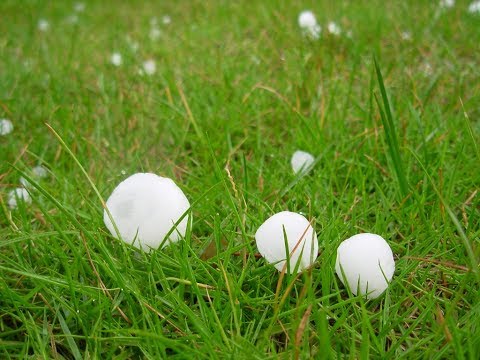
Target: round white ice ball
x,y
17,195
145,207
301,238
365,264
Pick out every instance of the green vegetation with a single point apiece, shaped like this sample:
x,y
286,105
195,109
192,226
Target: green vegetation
x,y
237,90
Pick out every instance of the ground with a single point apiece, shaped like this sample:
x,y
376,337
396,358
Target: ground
x,y
237,89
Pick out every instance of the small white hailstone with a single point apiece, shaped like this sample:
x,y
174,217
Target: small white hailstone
x,y
23,181
301,238
132,44
307,19
79,7
116,59
365,264
406,35
40,171
308,24
145,207
474,7
447,4
149,67
333,28
426,68
301,161
16,195
43,25
166,19
6,127
155,33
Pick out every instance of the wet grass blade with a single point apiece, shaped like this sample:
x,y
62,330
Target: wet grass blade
x,y
390,134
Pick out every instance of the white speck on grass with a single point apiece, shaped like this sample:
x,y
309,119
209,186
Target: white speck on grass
x,y
79,7
17,195
406,35
6,127
132,44
474,7
166,19
72,19
333,28
301,161
155,33
447,4
149,67
308,24
116,59
43,25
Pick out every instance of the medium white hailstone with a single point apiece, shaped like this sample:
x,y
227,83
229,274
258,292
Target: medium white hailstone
x,y
301,161
149,67
145,207
43,25
474,7
446,4
271,241
79,7
155,33
333,28
116,59
166,19
16,195
365,264
6,127
307,19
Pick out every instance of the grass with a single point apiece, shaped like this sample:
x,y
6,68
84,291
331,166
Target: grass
x,y
237,91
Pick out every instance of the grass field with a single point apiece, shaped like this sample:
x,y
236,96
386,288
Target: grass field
x,y
238,89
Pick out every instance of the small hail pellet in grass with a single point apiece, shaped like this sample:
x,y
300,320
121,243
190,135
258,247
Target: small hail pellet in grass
x,y
365,264
149,67
155,33
79,7
145,208
447,4
116,59
308,23
6,127
38,172
293,229
166,19
474,7
43,25
334,29
18,195
301,161
406,35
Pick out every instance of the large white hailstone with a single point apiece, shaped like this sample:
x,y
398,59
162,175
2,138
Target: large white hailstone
x,y
302,241
43,25
365,264
149,67
145,207
301,161
333,28
474,7
17,195
6,127
116,59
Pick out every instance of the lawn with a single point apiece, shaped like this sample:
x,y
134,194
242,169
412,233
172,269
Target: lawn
x,y
236,88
